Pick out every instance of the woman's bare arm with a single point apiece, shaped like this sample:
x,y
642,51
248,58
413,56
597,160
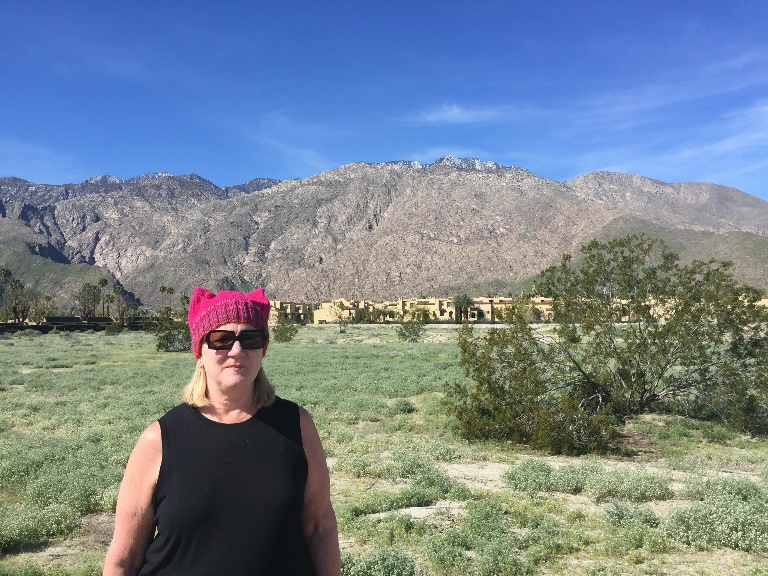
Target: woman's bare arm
x,y
319,520
134,518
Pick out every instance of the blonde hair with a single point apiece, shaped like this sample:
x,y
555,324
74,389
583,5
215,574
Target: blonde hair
x,y
196,391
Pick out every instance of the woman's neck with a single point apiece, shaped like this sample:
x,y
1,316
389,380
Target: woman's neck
x,y
229,410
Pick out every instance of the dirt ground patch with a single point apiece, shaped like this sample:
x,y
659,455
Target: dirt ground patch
x,y
479,475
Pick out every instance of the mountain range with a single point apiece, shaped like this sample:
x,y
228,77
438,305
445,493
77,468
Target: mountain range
x,y
376,231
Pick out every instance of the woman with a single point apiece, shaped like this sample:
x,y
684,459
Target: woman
x,y
234,480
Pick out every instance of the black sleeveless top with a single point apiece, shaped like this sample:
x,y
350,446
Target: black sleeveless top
x,y
229,497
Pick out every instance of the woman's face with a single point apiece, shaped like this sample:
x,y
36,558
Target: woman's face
x,y
227,370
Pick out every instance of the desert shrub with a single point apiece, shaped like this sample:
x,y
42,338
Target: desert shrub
x,y
392,528
385,562
722,520
404,464
285,330
113,329
484,520
173,337
548,538
573,478
634,542
530,475
565,427
628,484
30,333
376,502
534,475
25,570
107,499
486,527
512,539
427,449
56,480
359,465
498,558
361,455
512,392
435,479
23,458
627,514
426,485
739,488
565,391
410,330
447,552
402,406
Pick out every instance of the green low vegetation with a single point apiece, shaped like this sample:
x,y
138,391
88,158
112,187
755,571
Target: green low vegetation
x,y
676,496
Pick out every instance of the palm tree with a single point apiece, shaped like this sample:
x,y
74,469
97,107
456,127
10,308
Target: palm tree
x,y
102,283
107,299
461,304
119,293
5,276
20,301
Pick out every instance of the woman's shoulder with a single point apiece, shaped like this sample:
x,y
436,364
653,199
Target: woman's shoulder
x,y
282,415
288,408
283,406
301,419
178,411
149,445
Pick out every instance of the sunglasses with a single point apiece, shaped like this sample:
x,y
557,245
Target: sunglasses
x,y
225,339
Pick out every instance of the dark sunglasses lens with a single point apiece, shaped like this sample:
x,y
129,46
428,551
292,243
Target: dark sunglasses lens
x,y
252,339
220,340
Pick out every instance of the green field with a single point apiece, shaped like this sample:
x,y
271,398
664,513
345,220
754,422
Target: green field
x,y
681,497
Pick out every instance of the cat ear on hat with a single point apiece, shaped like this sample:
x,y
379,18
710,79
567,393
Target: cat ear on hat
x,y
197,303
258,296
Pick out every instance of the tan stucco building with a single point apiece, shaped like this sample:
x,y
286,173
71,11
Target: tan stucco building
x,y
484,309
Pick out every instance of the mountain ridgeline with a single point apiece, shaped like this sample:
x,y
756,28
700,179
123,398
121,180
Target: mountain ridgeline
x,y
376,231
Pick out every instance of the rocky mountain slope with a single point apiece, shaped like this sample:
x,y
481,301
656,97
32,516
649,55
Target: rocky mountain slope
x,y
361,231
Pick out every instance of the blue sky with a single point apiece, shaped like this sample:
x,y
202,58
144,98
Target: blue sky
x,y
234,90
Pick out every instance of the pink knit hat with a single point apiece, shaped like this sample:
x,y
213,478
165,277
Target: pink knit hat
x,y
208,311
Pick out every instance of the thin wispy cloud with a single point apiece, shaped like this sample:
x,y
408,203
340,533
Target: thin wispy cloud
x,y
81,55
647,100
121,63
732,149
458,114
295,142
738,132
749,60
